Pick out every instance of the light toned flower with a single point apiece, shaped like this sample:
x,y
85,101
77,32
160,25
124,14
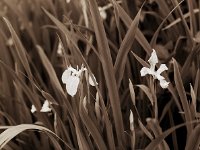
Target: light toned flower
x,y
33,109
46,106
71,77
103,13
164,84
153,60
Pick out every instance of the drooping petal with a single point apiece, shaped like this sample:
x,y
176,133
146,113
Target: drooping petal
x,y
33,109
72,83
164,84
66,74
45,107
153,60
91,82
162,68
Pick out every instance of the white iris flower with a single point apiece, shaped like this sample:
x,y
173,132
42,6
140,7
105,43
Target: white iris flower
x,y
71,77
153,60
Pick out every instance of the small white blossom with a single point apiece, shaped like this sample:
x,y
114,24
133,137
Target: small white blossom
x,y
33,109
71,77
103,13
153,60
45,106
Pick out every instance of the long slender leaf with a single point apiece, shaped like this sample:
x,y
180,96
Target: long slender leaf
x,y
13,131
160,138
193,141
20,49
125,48
91,127
108,69
182,94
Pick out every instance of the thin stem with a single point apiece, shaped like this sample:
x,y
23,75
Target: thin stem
x,y
153,91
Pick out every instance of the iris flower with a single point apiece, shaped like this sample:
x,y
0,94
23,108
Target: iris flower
x,y
153,60
71,77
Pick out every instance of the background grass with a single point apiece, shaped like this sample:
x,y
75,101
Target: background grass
x,y
40,38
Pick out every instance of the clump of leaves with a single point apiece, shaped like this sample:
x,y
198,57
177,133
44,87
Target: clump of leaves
x,y
39,40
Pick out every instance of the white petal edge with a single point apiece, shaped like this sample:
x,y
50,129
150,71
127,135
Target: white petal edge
x,y
72,85
103,13
144,71
66,74
162,68
164,84
153,60
33,109
45,107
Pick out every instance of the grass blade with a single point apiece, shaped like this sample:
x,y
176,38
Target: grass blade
x,y
139,35
13,131
148,93
20,49
49,68
182,94
194,139
108,70
91,127
125,48
161,137
132,92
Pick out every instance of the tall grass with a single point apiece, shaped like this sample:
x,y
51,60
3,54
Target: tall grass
x,y
40,39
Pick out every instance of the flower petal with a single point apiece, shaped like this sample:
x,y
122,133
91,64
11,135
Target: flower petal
x,y
72,85
45,107
153,60
91,81
144,71
164,84
66,74
162,68
159,77
33,109
103,13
